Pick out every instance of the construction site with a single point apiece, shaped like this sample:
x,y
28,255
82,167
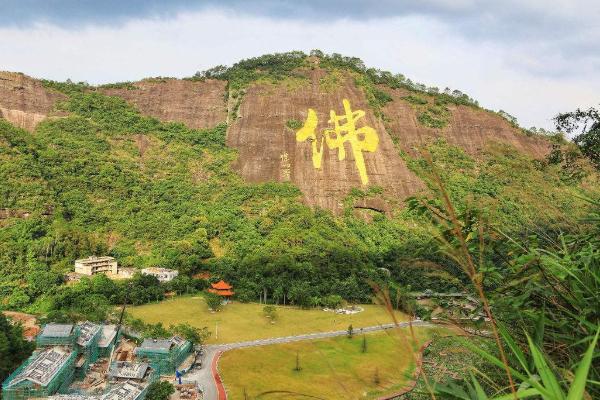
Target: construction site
x,y
96,361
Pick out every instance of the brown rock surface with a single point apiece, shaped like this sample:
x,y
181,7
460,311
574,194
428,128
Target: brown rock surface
x,y
196,104
268,150
24,101
469,128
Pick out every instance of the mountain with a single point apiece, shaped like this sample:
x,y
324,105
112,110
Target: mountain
x,y
267,146
286,174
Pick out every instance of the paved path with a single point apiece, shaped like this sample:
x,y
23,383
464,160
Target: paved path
x,y
209,379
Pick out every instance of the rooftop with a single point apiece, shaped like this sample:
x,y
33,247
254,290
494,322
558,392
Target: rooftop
x,y
221,292
128,370
94,259
156,344
57,330
158,270
107,335
125,391
88,333
45,365
221,285
161,344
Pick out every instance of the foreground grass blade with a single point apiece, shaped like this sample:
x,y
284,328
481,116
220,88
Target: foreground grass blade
x,y
578,387
548,378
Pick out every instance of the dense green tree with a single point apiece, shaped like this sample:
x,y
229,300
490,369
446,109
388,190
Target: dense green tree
x,y
213,301
13,348
586,125
160,390
191,333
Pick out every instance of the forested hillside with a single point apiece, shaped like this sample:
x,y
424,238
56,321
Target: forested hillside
x,y
101,178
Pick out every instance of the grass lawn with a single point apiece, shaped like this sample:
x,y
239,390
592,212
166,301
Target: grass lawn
x,y
333,368
239,322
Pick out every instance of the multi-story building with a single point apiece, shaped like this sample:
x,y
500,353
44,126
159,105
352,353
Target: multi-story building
x,y
162,274
96,265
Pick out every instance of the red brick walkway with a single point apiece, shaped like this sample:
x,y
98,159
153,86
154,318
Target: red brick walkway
x,y
222,395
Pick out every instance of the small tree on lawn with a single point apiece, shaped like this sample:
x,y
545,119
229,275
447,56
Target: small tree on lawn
x,y
270,312
191,333
213,301
364,344
297,368
376,378
350,333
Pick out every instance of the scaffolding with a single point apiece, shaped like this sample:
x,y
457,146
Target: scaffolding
x,y
109,336
87,345
45,373
58,335
164,355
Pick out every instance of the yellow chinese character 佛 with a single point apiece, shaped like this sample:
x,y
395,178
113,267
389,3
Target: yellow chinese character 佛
x,y
344,130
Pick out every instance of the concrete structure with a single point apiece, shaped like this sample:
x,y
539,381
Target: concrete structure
x,y
46,372
126,273
126,370
107,340
96,265
163,274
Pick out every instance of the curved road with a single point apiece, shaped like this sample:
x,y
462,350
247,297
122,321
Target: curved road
x,y
206,379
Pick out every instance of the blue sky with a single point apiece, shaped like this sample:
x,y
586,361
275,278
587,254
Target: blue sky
x,y
532,58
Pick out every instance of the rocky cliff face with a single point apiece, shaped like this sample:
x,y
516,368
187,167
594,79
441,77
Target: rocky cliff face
x,y
325,166
24,101
196,104
468,128
269,150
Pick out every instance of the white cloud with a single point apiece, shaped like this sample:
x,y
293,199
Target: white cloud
x,y
499,74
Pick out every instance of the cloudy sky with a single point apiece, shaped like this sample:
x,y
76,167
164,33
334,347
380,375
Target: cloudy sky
x,y
532,58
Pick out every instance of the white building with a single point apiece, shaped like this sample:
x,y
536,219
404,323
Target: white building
x,y
96,265
163,274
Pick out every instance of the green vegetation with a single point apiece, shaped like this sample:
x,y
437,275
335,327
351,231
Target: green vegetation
x,y
413,99
13,348
333,80
273,67
536,292
334,368
434,115
587,124
246,321
160,390
293,124
432,118
119,85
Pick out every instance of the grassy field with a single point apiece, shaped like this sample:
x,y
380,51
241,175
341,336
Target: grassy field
x,y
238,322
330,368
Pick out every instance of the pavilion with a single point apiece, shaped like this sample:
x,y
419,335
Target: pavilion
x,y
222,288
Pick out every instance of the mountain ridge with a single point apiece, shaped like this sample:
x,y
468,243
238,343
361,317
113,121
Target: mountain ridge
x,y
259,113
